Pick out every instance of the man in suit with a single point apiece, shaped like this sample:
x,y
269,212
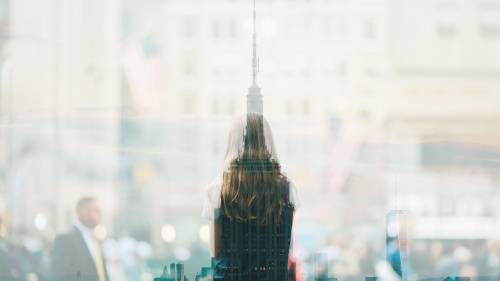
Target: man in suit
x,y
78,252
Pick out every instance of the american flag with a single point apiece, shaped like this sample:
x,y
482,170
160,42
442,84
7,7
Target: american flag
x,y
142,66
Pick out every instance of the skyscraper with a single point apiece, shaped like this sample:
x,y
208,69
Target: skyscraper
x,y
396,243
254,97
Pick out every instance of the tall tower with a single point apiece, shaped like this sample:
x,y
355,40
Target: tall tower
x,y
254,97
396,241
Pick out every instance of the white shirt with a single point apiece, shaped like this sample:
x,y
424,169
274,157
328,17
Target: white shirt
x,y
87,234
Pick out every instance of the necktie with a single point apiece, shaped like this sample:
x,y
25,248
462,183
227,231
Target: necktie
x,y
99,262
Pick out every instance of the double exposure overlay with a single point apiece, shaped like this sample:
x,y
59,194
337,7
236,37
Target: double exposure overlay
x,y
249,140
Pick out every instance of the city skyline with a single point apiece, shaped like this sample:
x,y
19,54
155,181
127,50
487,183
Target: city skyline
x,y
354,90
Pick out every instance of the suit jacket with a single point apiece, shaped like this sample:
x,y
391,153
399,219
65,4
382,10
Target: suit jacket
x,y
71,255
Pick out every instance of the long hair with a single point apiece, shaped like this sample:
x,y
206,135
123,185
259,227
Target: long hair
x,y
252,184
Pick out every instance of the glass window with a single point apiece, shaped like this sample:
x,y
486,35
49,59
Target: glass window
x,y
489,20
344,29
188,67
216,146
231,107
457,154
216,29
188,104
327,28
215,107
233,29
447,21
370,29
342,68
133,102
189,28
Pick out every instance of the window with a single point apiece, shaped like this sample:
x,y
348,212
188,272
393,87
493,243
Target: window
x,y
215,107
216,146
189,28
188,139
447,21
370,29
188,104
289,107
327,28
329,69
489,20
188,67
233,29
231,106
342,68
305,107
305,27
344,30
225,29
457,154
216,29
372,66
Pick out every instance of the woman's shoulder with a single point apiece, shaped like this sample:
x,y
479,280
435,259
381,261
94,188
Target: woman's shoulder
x,y
216,182
289,190
213,189
212,199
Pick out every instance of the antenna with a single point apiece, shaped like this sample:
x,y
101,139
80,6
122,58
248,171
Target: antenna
x,y
254,59
254,97
396,191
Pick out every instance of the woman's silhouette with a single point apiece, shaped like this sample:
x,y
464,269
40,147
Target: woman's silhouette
x,y
251,207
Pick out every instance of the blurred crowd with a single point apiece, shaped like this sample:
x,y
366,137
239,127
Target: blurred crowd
x,y
355,260
25,255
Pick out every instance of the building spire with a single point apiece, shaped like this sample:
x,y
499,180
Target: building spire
x,y
255,61
396,191
254,97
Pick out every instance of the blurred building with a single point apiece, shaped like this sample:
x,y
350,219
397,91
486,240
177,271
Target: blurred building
x,y
321,62
4,82
441,112
446,71
339,81
133,100
60,108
